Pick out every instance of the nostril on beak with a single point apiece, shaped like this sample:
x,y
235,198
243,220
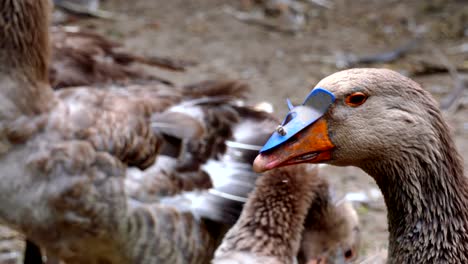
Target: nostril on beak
x,y
280,129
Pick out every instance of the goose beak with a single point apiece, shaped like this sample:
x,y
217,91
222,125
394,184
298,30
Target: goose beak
x,y
311,145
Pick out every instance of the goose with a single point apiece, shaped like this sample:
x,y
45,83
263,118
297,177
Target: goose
x,y
272,228
318,230
270,225
64,157
165,183
390,127
331,230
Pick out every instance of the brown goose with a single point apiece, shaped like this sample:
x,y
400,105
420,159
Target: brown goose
x,y
155,97
331,231
289,215
270,226
390,127
64,157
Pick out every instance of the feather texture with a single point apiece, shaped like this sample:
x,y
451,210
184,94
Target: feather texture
x,y
86,58
77,156
65,157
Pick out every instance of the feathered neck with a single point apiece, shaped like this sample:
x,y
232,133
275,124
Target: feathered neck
x,y
272,220
426,195
24,55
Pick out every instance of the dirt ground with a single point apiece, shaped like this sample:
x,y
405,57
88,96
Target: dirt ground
x,y
279,65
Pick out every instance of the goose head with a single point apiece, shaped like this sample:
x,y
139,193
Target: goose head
x,y
387,125
369,114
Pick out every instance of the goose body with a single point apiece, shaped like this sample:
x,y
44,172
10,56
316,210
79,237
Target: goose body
x,y
186,238
64,157
390,127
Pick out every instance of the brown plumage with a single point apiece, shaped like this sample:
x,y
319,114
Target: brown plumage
x,y
86,58
270,226
331,231
164,178
290,214
398,136
215,112
65,155
212,104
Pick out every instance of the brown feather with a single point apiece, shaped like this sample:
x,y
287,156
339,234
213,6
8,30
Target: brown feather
x,y
271,223
86,58
178,125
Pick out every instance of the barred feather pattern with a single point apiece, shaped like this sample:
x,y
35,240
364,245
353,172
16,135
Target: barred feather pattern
x,y
73,163
162,179
110,123
181,238
219,116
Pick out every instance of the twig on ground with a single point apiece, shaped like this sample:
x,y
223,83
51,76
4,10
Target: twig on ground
x,y
347,60
384,57
163,62
462,48
451,101
323,3
256,20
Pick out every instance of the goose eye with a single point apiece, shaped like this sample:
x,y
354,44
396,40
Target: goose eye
x,y
349,254
355,99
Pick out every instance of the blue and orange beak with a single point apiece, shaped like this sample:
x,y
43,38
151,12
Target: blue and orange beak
x,y
302,137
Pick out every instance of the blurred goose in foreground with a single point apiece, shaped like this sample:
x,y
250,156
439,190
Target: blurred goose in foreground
x,y
386,124
85,58
64,157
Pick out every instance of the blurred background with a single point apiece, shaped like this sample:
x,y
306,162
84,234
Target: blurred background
x,y
283,47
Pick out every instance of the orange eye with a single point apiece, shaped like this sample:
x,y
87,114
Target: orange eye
x,y
356,99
